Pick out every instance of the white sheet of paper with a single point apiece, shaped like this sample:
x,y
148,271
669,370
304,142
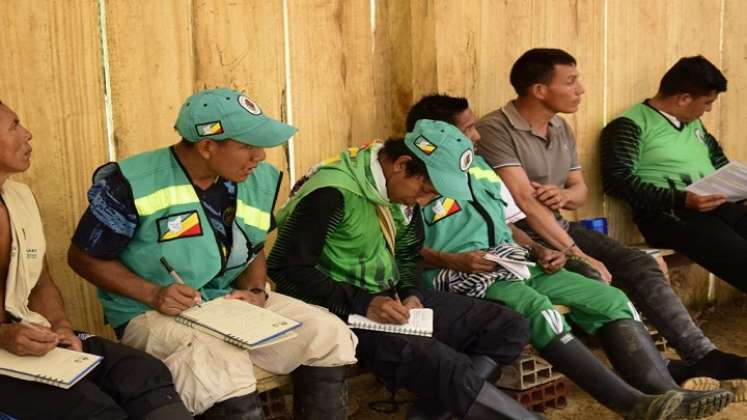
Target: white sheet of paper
x,y
730,179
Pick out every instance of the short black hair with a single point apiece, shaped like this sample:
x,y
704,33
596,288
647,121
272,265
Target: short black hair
x,y
694,75
187,143
438,107
394,148
537,66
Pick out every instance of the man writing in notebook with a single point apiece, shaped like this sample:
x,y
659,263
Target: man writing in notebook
x,y
128,384
205,205
350,238
533,150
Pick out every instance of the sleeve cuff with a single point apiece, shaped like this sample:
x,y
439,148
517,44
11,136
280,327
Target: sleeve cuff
x,y
679,199
360,303
410,291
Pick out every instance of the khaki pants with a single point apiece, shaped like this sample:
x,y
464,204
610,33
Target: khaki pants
x,y
207,370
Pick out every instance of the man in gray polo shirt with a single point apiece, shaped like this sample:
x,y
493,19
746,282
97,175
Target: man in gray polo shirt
x,y
534,152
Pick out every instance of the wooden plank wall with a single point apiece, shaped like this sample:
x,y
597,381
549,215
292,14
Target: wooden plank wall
x,y
355,68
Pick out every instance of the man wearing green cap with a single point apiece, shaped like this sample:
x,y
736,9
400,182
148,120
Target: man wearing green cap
x,y
455,229
349,240
205,205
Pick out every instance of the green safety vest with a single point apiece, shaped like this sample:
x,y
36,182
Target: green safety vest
x,y
356,251
460,225
172,223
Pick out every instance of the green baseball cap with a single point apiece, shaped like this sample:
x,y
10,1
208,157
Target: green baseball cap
x,y
222,114
447,154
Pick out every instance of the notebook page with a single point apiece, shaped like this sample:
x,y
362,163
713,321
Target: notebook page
x,y
420,323
240,319
59,364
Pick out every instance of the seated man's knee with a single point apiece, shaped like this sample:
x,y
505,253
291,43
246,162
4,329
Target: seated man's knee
x,y
620,307
88,401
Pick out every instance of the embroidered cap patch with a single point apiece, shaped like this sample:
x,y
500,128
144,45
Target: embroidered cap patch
x,y
424,145
465,161
209,129
249,105
179,226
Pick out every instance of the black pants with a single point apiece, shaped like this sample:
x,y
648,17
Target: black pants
x,y
439,368
717,239
127,384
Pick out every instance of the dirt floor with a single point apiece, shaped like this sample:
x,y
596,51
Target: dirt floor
x,y
725,326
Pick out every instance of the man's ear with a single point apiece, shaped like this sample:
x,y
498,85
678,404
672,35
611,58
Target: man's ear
x,y
400,164
684,99
538,90
205,148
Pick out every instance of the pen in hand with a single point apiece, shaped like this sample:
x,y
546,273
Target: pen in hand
x,y
393,288
177,279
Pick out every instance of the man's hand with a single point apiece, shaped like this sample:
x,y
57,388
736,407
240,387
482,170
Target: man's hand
x,y
550,195
549,260
703,203
25,339
470,262
412,302
258,299
606,276
175,298
387,311
68,339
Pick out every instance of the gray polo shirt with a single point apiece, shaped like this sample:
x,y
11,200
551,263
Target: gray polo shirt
x,y
508,140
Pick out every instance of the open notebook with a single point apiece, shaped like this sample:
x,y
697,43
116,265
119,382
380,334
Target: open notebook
x,y
420,323
239,323
60,367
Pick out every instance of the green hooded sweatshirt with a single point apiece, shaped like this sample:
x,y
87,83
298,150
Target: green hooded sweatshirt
x,y
356,251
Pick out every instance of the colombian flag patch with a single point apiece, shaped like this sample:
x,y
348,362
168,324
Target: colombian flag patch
x,y
446,208
209,129
179,226
425,146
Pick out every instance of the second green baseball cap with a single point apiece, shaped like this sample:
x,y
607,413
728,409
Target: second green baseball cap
x,y
447,154
222,114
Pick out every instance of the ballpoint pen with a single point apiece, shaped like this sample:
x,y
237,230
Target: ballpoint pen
x,y
392,287
174,275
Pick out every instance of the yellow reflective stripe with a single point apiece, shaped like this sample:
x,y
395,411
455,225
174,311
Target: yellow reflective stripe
x,y
252,216
165,197
488,174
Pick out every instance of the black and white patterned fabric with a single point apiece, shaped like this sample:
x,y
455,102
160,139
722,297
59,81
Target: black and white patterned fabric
x,y
477,284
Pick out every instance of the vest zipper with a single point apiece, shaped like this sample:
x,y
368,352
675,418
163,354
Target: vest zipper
x,y
484,213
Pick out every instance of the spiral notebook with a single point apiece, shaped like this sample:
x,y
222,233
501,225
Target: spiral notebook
x,y
420,323
60,367
239,323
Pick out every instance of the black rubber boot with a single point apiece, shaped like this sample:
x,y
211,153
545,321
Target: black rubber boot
x,y
493,404
320,393
245,407
175,411
485,367
571,357
635,357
